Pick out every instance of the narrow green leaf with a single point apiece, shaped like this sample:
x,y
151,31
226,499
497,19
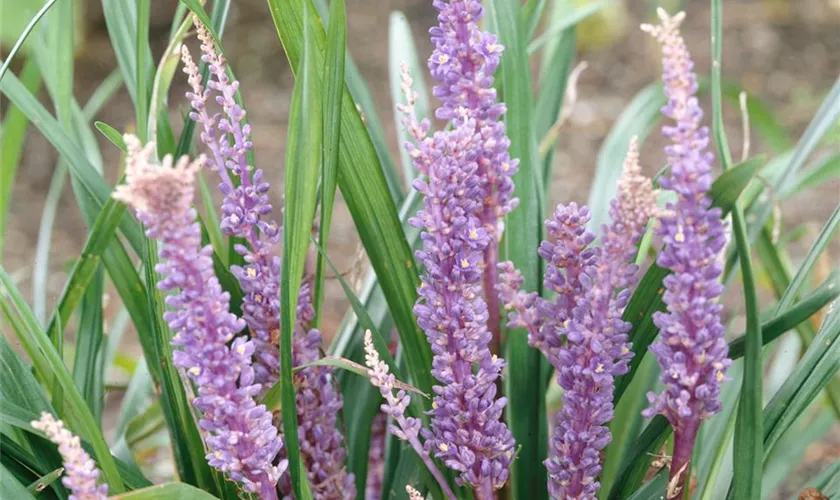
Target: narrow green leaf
x,y
142,61
180,491
654,488
804,271
553,83
88,368
524,384
12,487
23,36
748,445
45,481
817,367
402,50
826,171
111,134
14,128
333,77
364,188
301,179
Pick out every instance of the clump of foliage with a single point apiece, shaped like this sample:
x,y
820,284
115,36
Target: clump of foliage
x,y
493,296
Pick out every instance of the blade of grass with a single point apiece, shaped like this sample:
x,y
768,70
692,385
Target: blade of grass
x,y
88,367
402,50
362,95
524,385
748,445
142,62
364,188
45,481
14,128
817,367
552,93
40,269
301,178
180,491
12,487
23,36
333,78
826,171
804,271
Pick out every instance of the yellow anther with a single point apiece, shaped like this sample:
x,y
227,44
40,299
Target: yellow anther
x,y
599,368
252,272
495,358
505,166
218,454
258,298
443,58
194,371
719,376
624,349
443,447
473,234
465,263
679,237
241,349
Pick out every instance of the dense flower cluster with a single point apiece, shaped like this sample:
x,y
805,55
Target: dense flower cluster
x,y
246,214
465,180
405,428
463,62
246,205
81,475
240,435
592,286
692,352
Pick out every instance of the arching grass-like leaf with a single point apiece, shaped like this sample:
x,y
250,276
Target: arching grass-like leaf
x,y
525,383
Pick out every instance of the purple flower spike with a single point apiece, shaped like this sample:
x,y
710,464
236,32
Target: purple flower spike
x,y
246,208
691,349
240,435
463,62
597,349
466,431
81,475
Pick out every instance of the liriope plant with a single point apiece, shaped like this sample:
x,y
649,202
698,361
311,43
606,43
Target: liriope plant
x,y
541,352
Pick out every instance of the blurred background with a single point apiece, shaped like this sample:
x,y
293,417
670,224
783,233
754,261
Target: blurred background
x,y
784,52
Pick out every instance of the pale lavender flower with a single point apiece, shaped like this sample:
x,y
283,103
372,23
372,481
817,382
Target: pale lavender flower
x,y
246,209
405,428
593,286
691,349
463,62
466,429
240,435
81,476
413,494
597,349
